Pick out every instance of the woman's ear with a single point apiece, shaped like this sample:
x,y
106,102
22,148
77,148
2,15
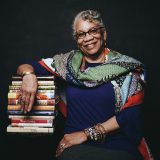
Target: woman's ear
x,y
105,35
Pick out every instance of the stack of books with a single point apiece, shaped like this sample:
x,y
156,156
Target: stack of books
x,y
41,118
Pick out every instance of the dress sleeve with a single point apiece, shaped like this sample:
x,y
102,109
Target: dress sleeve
x,y
39,69
130,123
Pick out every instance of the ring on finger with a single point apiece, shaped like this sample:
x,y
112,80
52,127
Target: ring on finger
x,y
26,103
62,146
22,101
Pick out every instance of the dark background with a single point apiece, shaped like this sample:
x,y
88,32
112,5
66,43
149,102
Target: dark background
x,y
31,30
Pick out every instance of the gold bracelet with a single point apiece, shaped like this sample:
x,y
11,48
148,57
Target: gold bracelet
x,y
27,73
102,130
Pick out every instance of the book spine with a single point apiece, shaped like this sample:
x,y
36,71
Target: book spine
x,y
38,77
36,108
14,107
12,87
42,108
18,87
31,124
24,117
45,83
14,95
49,87
46,91
45,96
45,102
12,101
14,91
31,121
32,113
30,129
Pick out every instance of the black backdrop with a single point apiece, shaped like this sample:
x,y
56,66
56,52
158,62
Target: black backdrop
x,y
32,29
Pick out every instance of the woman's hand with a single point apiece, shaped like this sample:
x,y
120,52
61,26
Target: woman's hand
x,y
70,140
28,92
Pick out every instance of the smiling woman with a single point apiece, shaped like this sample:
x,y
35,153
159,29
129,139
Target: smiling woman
x,y
90,35
104,93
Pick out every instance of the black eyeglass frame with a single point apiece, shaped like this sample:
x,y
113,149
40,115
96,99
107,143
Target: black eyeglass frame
x,y
93,31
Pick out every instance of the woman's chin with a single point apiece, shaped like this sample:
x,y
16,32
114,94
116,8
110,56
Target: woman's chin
x,y
90,51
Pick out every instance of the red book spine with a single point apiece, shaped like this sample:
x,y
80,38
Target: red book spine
x,y
31,121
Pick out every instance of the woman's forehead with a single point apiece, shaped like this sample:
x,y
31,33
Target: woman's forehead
x,y
84,25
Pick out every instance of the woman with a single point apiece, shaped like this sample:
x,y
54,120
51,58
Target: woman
x,y
104,95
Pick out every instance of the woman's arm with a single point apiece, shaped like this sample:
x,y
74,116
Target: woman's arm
x,y
79,137
127,120
29,86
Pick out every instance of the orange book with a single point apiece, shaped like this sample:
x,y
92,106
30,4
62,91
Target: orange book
x,y
37,108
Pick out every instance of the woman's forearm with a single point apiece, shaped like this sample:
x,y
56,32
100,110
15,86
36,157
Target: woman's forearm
x,y
110,125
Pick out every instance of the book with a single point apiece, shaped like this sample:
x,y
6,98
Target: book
x,y
45,96
45,83
14,95
38,77
13,101
30,129
25,117
31,124
37,108
31,120
18,87
39,96
32,113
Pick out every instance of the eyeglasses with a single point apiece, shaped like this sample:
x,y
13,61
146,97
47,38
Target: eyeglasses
x,y
92,31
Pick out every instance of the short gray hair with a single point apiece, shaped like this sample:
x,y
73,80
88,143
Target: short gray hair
x,y
87,15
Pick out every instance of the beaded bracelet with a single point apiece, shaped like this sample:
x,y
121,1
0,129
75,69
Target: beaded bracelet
x,y
102,129
95,133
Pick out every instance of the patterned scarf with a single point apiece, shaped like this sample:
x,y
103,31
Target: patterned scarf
x,y
68,67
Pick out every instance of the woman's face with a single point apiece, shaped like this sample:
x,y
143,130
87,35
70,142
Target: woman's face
x,y
90,36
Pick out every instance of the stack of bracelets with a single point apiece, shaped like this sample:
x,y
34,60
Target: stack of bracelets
x,y
96,133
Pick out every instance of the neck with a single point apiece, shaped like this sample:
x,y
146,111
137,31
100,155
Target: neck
x,y
96,58
100,59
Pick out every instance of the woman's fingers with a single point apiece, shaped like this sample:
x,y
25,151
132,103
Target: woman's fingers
x,y
31,101
28,92
61,147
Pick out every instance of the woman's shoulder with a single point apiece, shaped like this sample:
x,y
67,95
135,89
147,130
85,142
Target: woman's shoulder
x,y
121,57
